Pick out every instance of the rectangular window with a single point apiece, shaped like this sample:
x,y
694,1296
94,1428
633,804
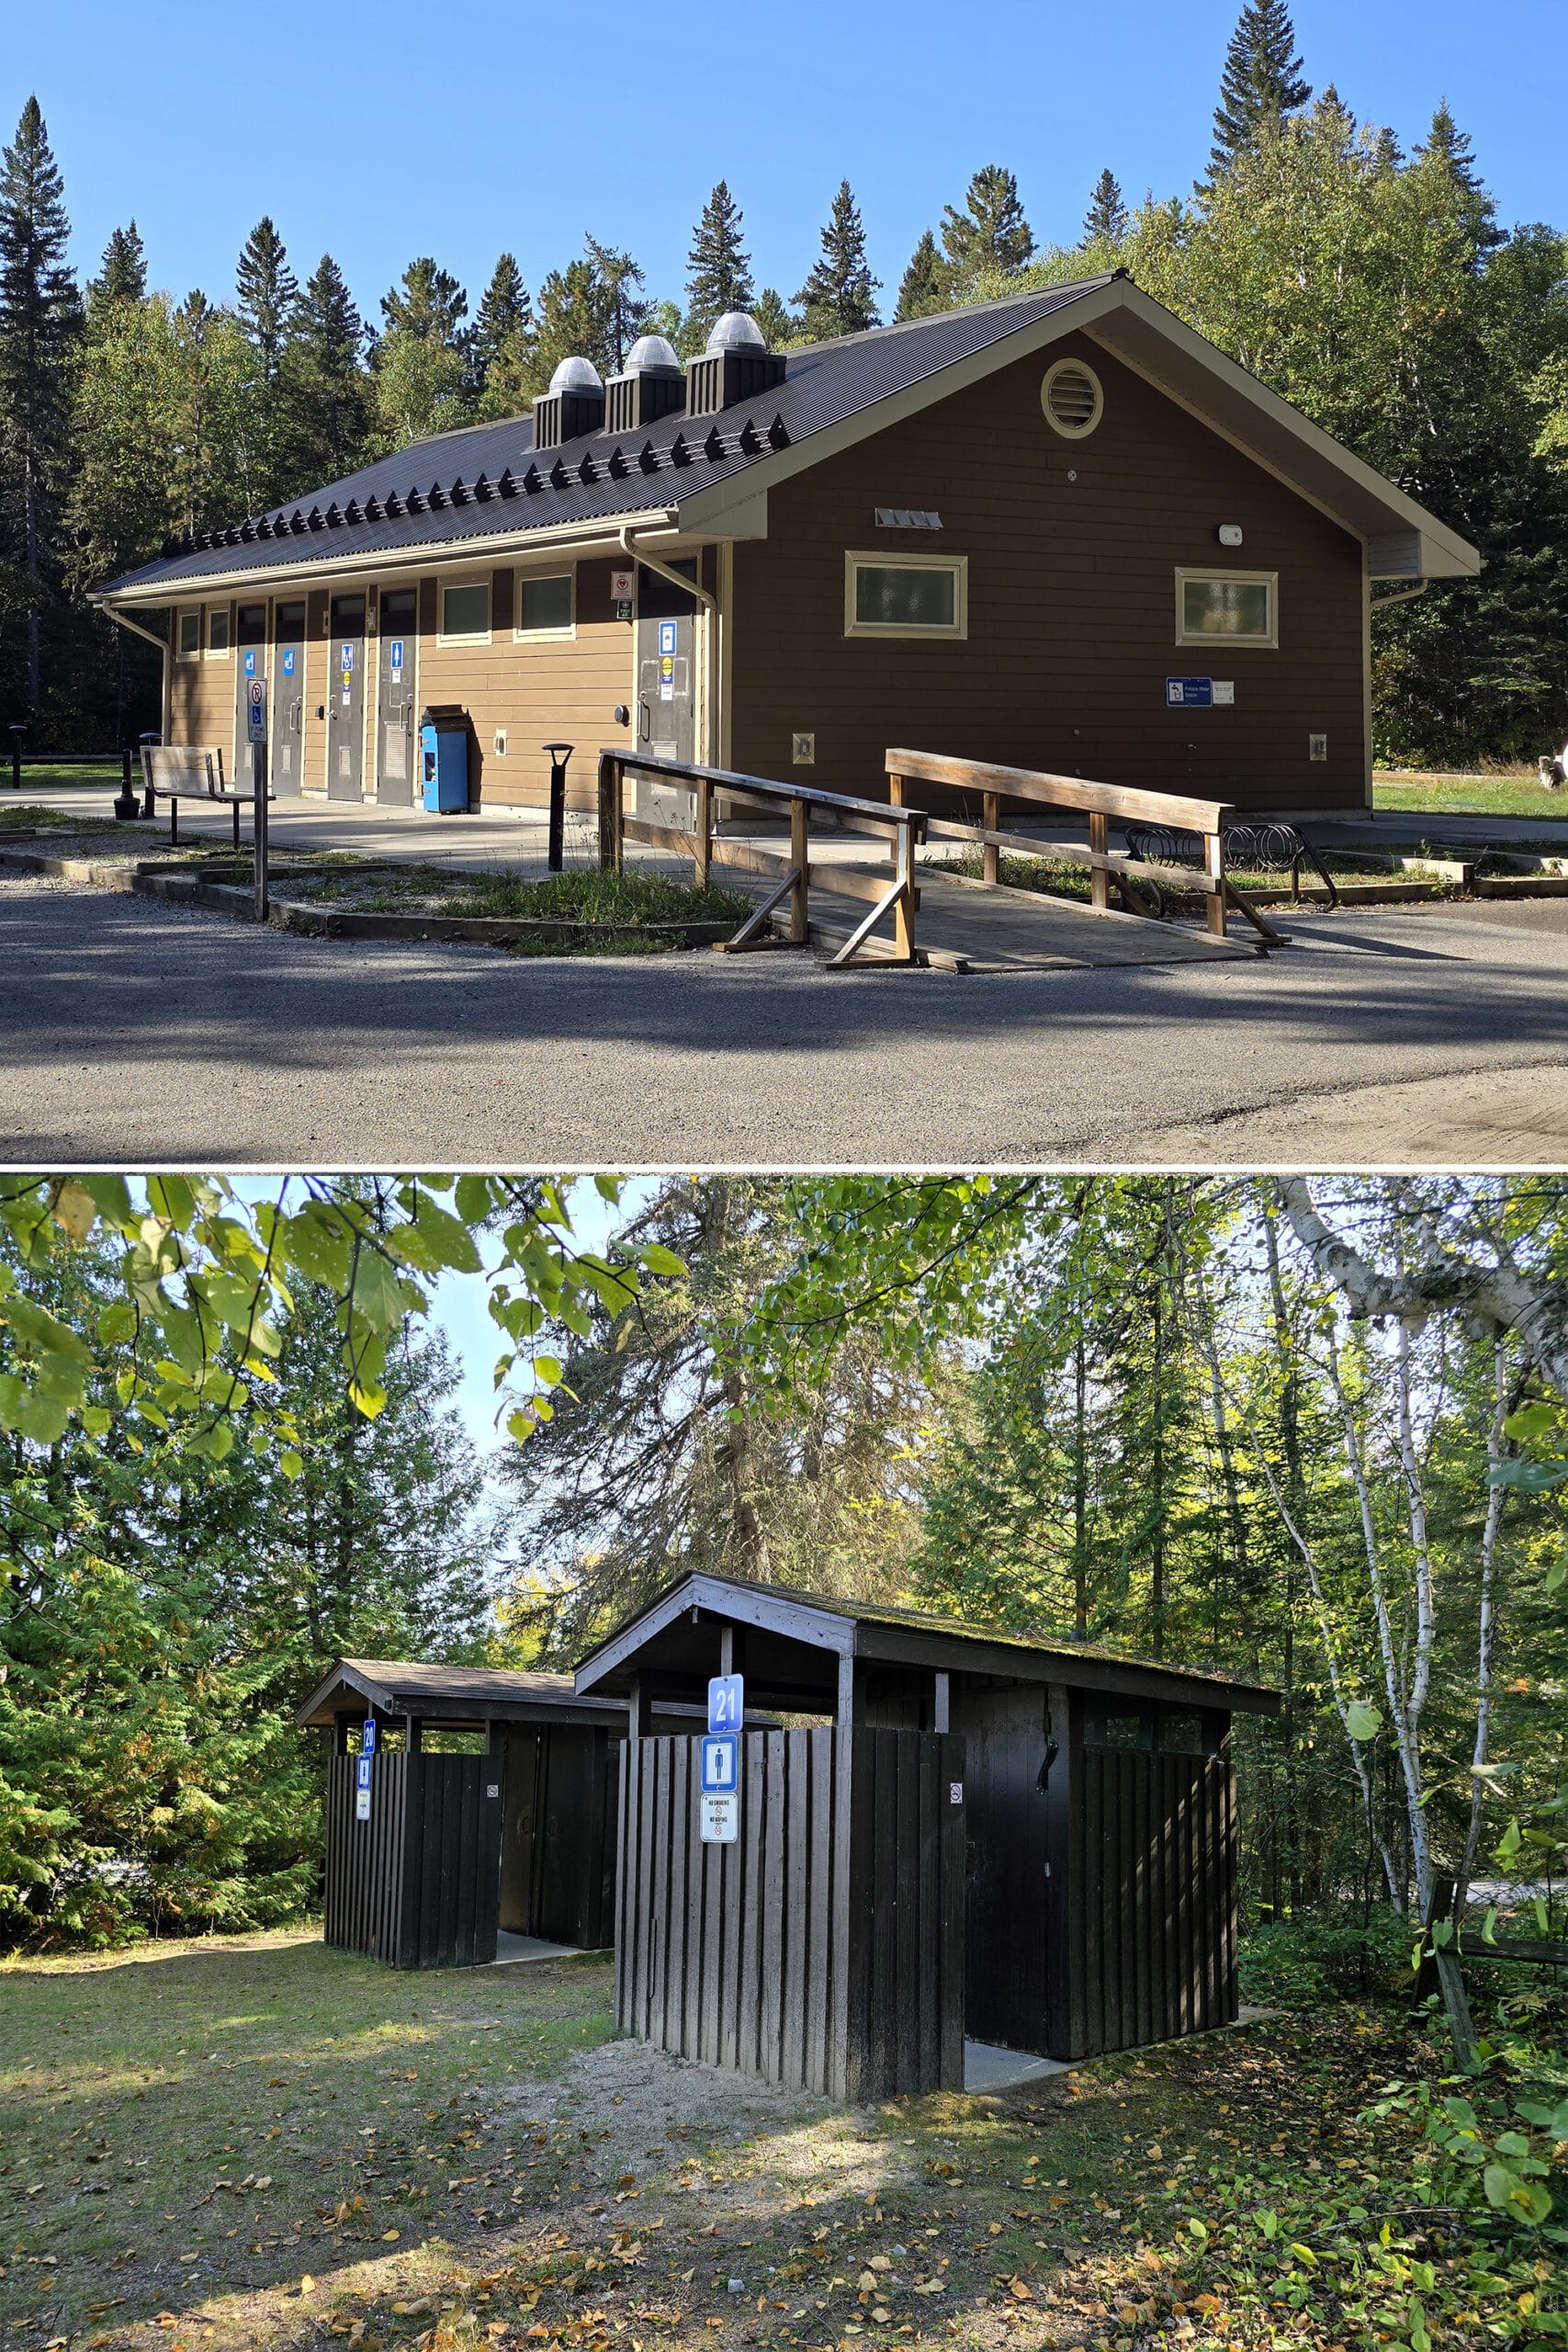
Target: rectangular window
x,y
1182,1732
189,641
1123,1728
1226,608
544,606
464,614
917,597
218,629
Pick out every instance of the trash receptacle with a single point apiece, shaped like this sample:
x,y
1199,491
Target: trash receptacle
x,y
443,758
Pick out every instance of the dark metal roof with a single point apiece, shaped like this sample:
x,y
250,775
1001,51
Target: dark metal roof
x,y
787,1625
485,480
461,1693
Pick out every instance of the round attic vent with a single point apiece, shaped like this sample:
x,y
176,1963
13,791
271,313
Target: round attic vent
x,y
576,376
1072,399
737,331
651,352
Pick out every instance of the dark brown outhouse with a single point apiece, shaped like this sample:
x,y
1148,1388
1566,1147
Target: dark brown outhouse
x,y
462,1849
1014,1842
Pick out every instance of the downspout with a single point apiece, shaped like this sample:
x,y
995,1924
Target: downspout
x,y
1401,596
636,554
122,621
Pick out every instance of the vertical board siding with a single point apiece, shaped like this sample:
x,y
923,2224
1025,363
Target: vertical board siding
x,y
419,1884
1153,1884
824,1950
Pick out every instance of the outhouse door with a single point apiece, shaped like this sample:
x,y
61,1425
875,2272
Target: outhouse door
x,y
345,699
395,696
666,683
288,737
1006,1907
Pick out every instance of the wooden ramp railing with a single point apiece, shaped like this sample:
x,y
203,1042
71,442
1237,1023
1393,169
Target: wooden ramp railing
x,y
1099,803
795,873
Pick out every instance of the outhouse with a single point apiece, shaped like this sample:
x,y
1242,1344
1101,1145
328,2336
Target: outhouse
x,y
987,1837
489,1811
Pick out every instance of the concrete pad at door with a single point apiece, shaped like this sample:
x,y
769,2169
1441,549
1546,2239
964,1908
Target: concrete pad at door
x,y
510,1949
986,2067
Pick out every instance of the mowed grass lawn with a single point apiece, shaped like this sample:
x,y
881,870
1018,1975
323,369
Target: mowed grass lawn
x,y
1461,795
265,2143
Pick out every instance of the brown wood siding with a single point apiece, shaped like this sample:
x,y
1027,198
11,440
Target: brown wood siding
x,y
1072,603
563,690
824,1949
201,694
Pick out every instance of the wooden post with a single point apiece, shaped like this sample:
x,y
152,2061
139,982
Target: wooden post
x,y
991,815
851,1692
942,1700
609,813
1214,863
1098,880
726,1649
704,832
634,1708
904,911
799,855
895,792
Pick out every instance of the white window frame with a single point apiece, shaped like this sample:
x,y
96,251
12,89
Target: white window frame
x,y
219,652
1081,367
521,635
1270,579
189,613
883,559
472,636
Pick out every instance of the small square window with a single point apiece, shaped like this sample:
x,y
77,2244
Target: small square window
x,y
544,606
925,597
1182,1732
1119,1727
1225,607
190,636
218,629
464,611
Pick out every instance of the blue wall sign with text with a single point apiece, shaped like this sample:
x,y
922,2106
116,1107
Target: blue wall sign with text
x,y
727,1701
1190,694
368,1741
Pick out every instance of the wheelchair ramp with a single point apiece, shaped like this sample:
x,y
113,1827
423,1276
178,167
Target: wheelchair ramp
x,y
991,927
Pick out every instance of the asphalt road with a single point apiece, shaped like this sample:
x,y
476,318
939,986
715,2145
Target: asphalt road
x,y
142,1033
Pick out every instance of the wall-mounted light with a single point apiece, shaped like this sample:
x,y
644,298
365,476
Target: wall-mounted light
x,y
1230,535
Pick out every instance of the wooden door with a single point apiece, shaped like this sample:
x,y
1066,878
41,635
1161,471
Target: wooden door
x,y
1006,1912
519,1839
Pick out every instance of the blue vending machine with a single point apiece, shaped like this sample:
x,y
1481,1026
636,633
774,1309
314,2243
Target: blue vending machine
x,y
444,760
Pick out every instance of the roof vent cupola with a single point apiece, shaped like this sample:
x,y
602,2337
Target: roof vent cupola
x,y
651,386
736,366
573,405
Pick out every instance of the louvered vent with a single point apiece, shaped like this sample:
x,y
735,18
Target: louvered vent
x,y
1072,399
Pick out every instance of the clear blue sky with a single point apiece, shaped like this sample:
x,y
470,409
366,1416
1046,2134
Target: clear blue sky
x,y
461,128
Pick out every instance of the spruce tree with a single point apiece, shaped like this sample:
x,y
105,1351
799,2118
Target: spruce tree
x,y
41,313
923,286
718,268
122,273
990,236
838,297
323,404
429,302
621,304
505,313
779,324
265,290
1446,151
1105,222
1261,83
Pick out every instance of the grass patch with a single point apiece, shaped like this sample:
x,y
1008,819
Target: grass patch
x,y
585,894
264,2105
16,817
1467,795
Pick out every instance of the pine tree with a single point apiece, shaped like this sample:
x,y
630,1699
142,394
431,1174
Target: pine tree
x,y
837,299
923,286
429,302
1261,82
265,290
122,273
991,237
718,268
323,403
1105,222
621,303
503,323
1446,151
779,324
41,313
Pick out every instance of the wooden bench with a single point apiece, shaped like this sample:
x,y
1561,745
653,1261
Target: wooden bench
x,y
176,772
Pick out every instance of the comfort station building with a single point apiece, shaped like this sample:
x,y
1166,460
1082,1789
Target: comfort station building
x,y
1058,531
